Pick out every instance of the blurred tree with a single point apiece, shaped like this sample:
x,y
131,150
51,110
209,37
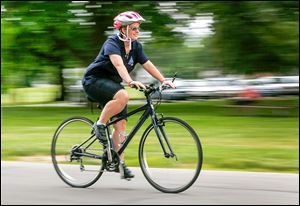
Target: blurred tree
x,y
44,35
41,38
36,36
253,37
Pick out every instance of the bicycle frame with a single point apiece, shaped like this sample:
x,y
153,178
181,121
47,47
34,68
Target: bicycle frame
x,y
148,109
140,122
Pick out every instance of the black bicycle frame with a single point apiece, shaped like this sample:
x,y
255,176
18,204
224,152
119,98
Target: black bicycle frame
x,y
148,110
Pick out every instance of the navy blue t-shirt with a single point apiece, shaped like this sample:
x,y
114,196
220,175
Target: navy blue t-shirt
x,y
102,67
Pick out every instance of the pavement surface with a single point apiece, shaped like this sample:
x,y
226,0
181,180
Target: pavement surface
x,y
29,183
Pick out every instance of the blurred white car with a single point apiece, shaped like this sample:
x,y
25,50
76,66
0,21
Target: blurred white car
x,y
287,85
274,85
211,88
225,87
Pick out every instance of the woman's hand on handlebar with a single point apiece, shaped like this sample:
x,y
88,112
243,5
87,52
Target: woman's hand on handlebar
x,y
136,84
166,83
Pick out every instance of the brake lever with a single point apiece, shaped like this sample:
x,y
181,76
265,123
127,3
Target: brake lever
x,y
174,77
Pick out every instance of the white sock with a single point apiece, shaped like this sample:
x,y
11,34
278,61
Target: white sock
x,y
100,123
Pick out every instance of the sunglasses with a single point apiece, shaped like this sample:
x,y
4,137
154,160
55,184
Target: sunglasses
x,y
135,28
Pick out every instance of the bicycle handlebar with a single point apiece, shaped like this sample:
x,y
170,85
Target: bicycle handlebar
x,y
151,88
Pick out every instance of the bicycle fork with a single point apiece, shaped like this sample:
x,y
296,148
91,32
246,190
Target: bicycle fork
x,y
159,130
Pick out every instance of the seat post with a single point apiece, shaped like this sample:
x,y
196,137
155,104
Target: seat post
x,y
91,101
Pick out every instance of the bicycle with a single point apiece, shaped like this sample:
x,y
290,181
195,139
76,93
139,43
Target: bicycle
x,y
170,152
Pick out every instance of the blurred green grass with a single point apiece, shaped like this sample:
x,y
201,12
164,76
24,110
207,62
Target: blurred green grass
x,y
31,95
49,93
231,140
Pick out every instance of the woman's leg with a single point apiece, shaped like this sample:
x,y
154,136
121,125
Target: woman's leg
x,y
115,106
118,135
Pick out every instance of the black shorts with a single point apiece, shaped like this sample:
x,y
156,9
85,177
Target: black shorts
x,y
102,91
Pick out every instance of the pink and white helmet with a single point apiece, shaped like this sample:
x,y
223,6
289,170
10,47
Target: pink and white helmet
x,y
126,18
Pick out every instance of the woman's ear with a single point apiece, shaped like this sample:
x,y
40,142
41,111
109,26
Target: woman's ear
x,y
122,30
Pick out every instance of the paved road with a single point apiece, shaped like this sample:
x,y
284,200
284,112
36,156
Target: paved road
x,y
38,184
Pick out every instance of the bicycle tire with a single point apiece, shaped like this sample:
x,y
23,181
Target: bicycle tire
x,y
66,171
172,175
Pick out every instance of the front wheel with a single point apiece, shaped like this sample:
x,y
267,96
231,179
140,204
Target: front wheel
x,y
179,168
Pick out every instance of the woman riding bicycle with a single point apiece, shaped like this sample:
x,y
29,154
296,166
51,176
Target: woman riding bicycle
x,y
102,80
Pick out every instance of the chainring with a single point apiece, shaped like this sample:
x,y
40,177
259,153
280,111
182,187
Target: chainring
x,y
114,164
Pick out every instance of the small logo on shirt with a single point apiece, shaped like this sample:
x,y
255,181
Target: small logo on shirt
x,y
130,61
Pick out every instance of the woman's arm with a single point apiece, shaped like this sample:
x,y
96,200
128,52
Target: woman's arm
x,y
119,65
151,69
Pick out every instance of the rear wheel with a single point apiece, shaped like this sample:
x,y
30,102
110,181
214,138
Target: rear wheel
x,y
67,146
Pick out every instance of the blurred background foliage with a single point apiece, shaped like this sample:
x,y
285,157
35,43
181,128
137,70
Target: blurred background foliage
x,y
41,38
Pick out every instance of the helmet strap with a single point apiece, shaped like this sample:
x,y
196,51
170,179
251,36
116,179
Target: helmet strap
x,y
126,39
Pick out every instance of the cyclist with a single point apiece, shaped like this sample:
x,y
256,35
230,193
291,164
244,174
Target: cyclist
x,y
102,81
